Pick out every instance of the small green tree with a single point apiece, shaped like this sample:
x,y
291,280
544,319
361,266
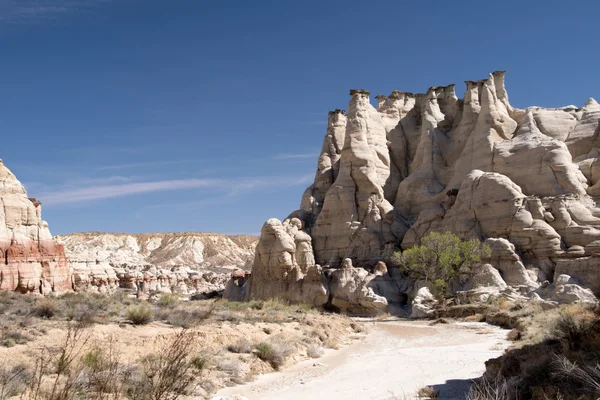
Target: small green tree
x,y
440,258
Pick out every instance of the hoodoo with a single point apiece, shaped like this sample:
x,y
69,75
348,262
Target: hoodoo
x,y
524,179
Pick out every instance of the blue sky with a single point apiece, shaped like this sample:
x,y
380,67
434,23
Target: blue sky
x,y
201,115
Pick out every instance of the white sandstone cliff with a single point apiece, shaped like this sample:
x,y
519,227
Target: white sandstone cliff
x,y
164,262
31,261
524,179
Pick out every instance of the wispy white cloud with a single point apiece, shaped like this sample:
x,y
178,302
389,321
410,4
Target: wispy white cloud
x,y
31,11
145,164
70,193
292,156
76,182
97,192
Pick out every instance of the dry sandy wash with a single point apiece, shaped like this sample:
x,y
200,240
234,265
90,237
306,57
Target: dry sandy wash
x,y
394,361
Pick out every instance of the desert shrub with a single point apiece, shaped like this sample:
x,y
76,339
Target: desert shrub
x,y
488,390
93,359
241,346
573,322
139,315
11,338
14,303
13,381
441,258
274,353
200,363
263,351
189,315
101,370
27,321
233,367
533,369
45,308
168,374
314,351
86,308
167,300
62,365
585,377
256,305
76,370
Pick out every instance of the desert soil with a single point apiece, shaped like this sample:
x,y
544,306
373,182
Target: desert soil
x,y
393,361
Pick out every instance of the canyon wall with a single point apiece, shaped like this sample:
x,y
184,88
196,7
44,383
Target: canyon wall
x,y
30,261
416,163
187,263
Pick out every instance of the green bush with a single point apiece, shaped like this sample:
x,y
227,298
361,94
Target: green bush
x,y
441,258
139,315
264,351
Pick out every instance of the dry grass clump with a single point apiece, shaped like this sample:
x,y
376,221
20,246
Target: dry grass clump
x,y
186,315
139,315
275,353
241,346
586,376
168,300
486,390
274,311
557,356
428,392
573,323
314,351
45,308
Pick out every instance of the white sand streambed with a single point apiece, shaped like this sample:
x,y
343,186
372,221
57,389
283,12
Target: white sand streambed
x,y
394,360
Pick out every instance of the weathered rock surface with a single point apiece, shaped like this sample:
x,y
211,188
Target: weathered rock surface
x,y
524,179
351,292
279,274
31,261
423,304
185,263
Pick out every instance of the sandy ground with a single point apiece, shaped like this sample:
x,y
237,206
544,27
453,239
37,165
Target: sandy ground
x,y
393,361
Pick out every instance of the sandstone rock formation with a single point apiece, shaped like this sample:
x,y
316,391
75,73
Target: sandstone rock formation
x,y
280,275
185,263
31,261
524,179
